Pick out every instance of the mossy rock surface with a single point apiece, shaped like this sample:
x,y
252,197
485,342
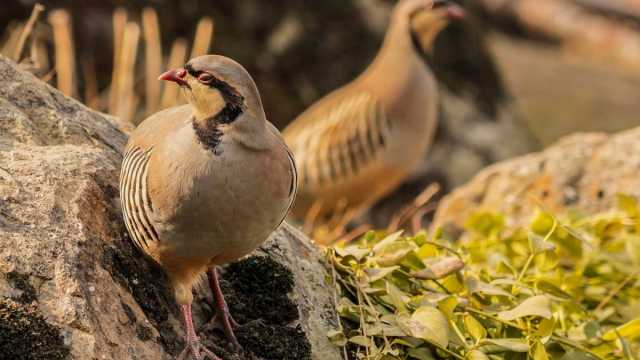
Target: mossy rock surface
x,y
25,335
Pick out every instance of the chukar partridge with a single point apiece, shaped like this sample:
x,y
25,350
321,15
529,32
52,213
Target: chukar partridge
x,y
205,183
358,143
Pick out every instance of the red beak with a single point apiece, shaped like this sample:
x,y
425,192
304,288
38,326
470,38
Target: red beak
x,y
455,12
177,76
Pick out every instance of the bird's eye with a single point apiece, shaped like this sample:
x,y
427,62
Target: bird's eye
x,y
205,78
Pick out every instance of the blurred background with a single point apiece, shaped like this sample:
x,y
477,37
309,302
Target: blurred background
x,y
515,75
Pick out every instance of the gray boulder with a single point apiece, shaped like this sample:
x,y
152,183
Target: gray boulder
x,y
72,285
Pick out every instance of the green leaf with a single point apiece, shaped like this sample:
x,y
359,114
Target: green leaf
x,y
348,310
354,251
408,342
626,350
591,329
427,251
485,223
533,306
375,274
398,298
412,261
630,330
447,306
337,337
474,327
476,355
476,286
538,245
421,353
361,340
390,239
539,352
545,328
576,355
552,289
508,344
393,253
542,222
439,268
628,204
428,323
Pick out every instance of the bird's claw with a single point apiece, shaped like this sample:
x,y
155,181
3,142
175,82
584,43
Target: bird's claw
x,y
198,351
216,323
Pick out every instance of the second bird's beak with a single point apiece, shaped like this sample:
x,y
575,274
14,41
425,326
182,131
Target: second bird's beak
x,y
449,9
176,75
455,13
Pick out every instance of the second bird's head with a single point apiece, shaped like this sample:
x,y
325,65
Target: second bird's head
x,y
217,88
427,18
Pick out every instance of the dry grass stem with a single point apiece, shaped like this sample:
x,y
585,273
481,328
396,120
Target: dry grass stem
x,y
127,101
14,29
28,28
311,216
406,213
153,59
119,97
39,54
177,58
353,234
91,95
416,219
64,53
119,22
203,37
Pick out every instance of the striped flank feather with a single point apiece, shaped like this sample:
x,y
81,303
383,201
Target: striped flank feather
x,y
336,145
137,207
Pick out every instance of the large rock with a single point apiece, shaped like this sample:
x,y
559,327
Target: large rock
x,y
71,283
584,171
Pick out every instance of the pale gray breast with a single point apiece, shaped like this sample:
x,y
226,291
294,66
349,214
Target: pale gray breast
x,y
137,207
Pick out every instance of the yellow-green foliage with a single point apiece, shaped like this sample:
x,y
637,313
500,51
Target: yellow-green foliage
x,y
562,288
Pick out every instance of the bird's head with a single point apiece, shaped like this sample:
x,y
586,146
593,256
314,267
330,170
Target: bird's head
x,y
427,18
218,88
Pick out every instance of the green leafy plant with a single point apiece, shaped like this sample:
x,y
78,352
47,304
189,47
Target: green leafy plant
x,y
560,288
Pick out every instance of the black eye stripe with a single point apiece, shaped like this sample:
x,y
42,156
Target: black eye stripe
x,y
191,70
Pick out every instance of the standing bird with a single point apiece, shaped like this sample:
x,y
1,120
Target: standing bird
x,y
361,141
206,183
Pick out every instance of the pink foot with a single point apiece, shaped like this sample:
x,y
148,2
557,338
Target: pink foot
x,y
194,347
222,318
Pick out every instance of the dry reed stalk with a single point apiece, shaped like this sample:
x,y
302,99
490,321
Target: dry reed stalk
x,y
91,94
408,211
39,54
170,95
153,59
416,219
204,35
338,213
353,235
311,217
28,28
64,55
48,76
119,22
14,29
127,101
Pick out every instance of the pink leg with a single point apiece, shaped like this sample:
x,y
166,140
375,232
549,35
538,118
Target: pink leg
x,y
194,347
222,310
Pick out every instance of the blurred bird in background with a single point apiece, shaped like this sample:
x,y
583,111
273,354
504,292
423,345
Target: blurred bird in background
x,y
359,142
